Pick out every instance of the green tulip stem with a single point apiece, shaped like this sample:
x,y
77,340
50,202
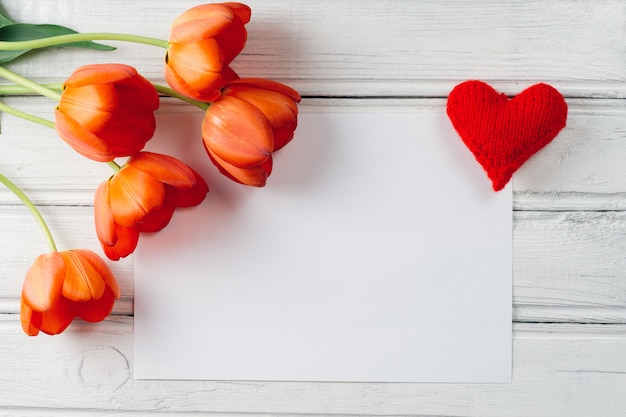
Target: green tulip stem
x,y
114,166
33,86
31,206
80,37
19,90
172,93
26,116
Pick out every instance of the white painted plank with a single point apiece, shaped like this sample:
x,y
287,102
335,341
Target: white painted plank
x,y
567,266
582,169
559,370
393,48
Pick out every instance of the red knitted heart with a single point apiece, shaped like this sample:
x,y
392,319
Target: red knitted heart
x,y
503,133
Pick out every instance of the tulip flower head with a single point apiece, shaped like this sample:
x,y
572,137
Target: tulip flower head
x,y
252,119
60,286
203,42
106,111
142,197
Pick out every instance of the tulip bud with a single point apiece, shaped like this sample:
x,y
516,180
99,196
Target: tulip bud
x,y
106,111
142,197
252,119
60,286
203,42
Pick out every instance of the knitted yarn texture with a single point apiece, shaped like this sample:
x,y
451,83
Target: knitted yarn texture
x,y
503,133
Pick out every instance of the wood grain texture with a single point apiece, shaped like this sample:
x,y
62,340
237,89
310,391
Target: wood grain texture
x,y
569,284
89,368
390,48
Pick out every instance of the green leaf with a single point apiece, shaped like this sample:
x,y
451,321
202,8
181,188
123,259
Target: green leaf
x,y
14,32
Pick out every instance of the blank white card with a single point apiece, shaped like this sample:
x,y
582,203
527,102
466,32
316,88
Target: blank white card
x,y
377,252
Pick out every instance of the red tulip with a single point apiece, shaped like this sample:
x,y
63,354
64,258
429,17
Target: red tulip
x,y
203,42
106,111
142,197
60,286
252,119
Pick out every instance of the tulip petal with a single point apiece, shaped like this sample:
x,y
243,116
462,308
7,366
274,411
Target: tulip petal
x,y
30,320
228,75
81,140
283,136
89,106
164,168
277,101
180,85
158,219
103,270
103,216
188,197
127,139
100,74
232,41
142,122
82,281
279,108
138,94
125,243
95,310
44,281
255,176
56,319
133,194
240,10
195,68
194,60
90,103
116,241
201,22
237,132
269,85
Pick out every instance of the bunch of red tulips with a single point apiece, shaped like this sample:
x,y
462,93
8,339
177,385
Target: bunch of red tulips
x,y
106,111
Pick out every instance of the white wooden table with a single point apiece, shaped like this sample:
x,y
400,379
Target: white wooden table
x,y
569,344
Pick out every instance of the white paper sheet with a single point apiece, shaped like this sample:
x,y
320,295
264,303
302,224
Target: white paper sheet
x,y
377,252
